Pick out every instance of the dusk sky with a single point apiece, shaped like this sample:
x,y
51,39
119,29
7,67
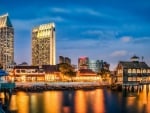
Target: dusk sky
x,y
109,30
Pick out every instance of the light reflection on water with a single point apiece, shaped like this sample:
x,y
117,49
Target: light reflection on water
x,y
81,101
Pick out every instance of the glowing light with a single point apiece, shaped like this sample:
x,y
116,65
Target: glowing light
x,y
80,102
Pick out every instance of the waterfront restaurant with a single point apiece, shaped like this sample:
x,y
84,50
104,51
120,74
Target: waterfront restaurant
x,y
86,75
132,72
35,73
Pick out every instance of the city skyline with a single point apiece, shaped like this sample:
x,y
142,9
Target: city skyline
x,y
111,31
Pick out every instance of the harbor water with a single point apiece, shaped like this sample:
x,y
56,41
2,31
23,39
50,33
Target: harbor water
x,y
81,101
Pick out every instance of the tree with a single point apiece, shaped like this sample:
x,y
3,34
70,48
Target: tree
x,y
103,72
66,70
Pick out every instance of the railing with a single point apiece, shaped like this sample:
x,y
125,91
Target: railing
x,y
145,82
131,82
136,82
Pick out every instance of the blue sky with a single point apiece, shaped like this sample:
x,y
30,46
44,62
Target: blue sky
x,y
110,30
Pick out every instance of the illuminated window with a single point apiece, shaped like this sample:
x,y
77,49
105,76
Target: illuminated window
x,y
23,71
133,70
138,70
129,78
17,71
129,70
148,70
144,70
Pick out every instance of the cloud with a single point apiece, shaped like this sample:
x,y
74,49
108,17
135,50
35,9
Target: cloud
x,y
88,11
74,10
142,40
101,34
126,39
93,32
119,53
60,10
77,44
28,24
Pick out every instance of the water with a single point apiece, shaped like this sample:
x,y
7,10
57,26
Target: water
x,y
81,101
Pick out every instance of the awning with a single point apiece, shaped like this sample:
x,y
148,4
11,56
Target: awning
x,y
3,73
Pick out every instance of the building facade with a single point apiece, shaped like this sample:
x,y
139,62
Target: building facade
x,y
98,66
43,45
6,42
35,73
132,72
86,75
83,63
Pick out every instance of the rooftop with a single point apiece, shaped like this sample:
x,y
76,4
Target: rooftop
x,y
134,65
5,21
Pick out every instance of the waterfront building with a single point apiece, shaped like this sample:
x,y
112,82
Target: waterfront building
x,y
132,72
6,42
35,73
86,75
43,45
83,63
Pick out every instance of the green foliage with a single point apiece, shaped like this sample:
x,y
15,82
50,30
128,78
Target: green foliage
x,y
66,69
103,72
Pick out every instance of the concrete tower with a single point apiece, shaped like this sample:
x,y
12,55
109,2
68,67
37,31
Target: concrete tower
x,y
6,42
43,45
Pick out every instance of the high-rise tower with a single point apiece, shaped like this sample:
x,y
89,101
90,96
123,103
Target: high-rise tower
x,y
6,42
43,45
83,63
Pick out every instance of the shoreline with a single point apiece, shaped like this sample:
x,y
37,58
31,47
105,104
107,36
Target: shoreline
x,y
48,86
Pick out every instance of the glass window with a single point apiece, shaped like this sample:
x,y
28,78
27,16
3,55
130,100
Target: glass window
x,y
144,70
17,70
148,70
133,70
138,71
23,71
129,70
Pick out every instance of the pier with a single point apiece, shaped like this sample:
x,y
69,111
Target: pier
x,y
131,85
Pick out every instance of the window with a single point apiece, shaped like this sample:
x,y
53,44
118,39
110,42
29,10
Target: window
x,y
23,71
17,71
138,71
144,70
133,70
129,70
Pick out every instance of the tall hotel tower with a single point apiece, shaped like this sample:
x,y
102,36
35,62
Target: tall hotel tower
x,y
6,42
43,45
